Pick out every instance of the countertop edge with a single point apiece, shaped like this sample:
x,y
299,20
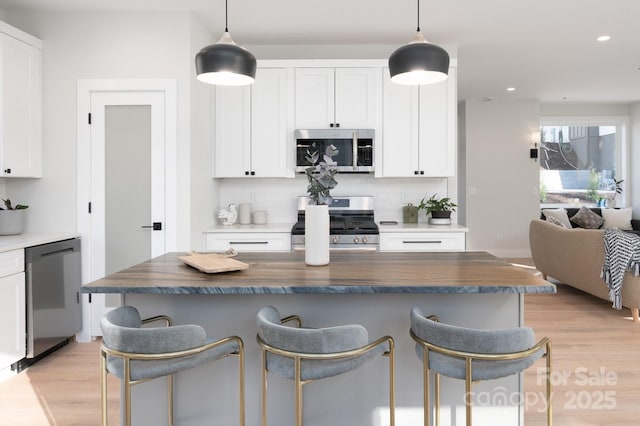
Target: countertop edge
x,y
22,241
364,289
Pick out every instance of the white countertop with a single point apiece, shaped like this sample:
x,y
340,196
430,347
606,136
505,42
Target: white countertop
x,y
237,228
420,227
15,242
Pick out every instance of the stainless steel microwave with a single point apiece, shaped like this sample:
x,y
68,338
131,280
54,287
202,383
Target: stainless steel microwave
x,y
355,148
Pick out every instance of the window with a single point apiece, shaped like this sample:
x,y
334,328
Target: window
x,y
582,162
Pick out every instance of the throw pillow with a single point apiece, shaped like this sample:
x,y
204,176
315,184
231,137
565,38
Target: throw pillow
x,y
559,214
555,221
586,218
617,218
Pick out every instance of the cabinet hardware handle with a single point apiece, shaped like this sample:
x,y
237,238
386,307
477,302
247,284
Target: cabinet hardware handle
x,y
421,242
330,124
415,172
421,172
337,124
246,172
7,171
248,242
253,173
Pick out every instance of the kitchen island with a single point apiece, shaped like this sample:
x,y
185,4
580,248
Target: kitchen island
x,y
376,290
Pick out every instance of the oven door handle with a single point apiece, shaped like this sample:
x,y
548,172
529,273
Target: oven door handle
x,y
355,248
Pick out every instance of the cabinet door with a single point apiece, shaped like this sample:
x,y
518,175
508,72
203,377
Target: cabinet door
x,y
437,142
12,319
21,109
399,143
314,97
271,131
358,97
232,145
422,242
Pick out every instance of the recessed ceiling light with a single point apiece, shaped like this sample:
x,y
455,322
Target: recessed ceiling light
x,y
511,89
604,38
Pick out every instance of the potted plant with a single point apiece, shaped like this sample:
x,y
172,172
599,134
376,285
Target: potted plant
x,y
321,178
12,218
439,208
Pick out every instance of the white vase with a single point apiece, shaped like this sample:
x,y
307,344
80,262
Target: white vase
x,y
316,235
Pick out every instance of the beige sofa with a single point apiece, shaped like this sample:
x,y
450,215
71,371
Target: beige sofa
x,y
575,257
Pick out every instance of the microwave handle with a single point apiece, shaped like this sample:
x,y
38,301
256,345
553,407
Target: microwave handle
x,y
355,150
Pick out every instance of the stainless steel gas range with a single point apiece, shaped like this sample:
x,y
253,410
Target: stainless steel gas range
x,y
352,224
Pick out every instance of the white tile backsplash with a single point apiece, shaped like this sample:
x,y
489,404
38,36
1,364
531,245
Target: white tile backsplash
x,y
278,196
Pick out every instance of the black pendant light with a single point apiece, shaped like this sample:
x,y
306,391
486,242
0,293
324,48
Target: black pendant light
x,y
419,62
225,63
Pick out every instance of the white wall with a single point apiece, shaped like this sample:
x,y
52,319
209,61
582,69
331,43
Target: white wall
x,y
502,187
568,109
82,45
204,190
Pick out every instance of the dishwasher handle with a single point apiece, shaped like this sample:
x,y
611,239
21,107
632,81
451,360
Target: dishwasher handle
x,y
36,253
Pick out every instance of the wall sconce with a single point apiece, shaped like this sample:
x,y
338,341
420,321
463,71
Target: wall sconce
x,y
533,152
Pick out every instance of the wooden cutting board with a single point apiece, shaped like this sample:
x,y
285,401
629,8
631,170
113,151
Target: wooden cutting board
x,y
212,263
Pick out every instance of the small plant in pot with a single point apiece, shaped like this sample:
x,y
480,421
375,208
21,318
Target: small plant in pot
x,y
439,208
12,218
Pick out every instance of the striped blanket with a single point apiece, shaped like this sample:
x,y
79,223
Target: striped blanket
x,y
621,254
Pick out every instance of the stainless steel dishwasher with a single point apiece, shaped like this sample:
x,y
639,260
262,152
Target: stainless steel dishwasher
x,y
54,311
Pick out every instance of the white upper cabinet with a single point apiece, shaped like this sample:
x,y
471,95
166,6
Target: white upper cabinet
x,y
20,104
253,127
350,98
419,137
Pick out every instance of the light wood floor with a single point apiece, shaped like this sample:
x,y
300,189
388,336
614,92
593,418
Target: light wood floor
x,y
595,348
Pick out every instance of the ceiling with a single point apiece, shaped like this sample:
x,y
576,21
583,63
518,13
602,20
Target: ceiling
x,y
545,49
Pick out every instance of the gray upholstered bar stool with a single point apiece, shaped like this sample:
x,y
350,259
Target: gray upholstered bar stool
x,y
136,354
473,355
305,354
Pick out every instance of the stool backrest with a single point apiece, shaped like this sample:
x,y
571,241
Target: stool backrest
x,y
499,341
309,340
121,331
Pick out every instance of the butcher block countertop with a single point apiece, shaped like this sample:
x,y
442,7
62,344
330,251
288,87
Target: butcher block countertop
x,y
347,273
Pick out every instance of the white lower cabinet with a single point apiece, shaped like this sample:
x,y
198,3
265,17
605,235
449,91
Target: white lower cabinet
x,y
12,308
248,241
424,241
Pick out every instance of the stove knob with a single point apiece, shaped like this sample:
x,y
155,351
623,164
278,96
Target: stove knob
x,y
335,240
356,240
364,240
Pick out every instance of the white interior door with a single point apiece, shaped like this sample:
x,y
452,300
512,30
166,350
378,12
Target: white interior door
x,y
127,186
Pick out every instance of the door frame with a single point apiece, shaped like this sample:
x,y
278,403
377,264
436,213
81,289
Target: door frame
x,y
85,88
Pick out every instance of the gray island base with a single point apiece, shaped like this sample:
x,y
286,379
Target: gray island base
x,y
376,290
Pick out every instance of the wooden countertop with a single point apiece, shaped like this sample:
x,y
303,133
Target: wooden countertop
x,y
348,273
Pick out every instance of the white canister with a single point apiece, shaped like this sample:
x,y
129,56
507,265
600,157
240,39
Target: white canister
x,y
316,235
244,214
260,217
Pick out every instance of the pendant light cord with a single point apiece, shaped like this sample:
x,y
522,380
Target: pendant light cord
x,y
418,2
226,16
